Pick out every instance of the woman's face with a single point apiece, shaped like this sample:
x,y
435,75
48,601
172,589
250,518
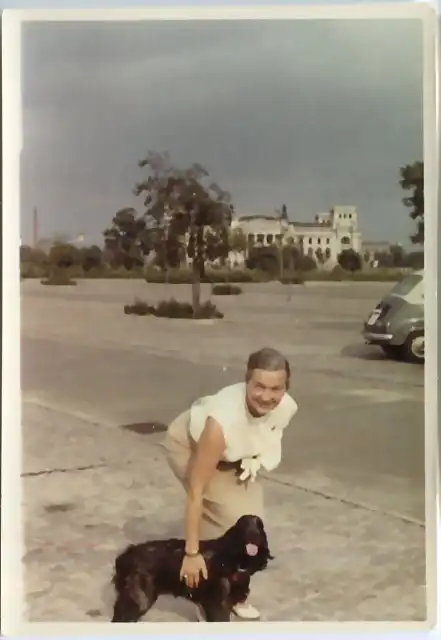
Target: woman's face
x,y
265,389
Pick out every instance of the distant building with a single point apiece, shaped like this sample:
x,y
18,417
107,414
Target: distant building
x,y
370,249
329,234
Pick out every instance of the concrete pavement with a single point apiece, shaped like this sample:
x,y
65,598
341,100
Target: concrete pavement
x,y
333,561
345,507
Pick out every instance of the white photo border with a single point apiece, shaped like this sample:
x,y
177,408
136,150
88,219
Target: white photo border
x,y
12,530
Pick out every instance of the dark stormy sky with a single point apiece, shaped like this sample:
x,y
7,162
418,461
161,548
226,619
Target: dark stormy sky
x,y
307,113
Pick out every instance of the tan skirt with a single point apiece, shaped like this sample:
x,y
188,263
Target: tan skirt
x,y
226,498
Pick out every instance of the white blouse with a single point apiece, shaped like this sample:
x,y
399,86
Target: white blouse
x,y
245,436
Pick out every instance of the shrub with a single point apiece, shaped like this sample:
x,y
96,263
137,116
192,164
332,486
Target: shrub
x,y
33,255
91,257
64,255
139,308
173,276
266,259
414,260
338,274
118,273
239,276
173,309
226,289
350,260
208,310
30,270
306,263
59,278
97,272
377,275
75,271
384,259
184,276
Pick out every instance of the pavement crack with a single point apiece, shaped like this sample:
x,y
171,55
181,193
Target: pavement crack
x,y
351,503
47,472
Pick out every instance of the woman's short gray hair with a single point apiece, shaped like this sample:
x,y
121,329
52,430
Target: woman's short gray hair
x,y
268,359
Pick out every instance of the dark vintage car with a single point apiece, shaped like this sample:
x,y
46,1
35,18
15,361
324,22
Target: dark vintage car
x,y
397,322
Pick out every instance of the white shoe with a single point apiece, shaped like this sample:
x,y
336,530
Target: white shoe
x,y
246,611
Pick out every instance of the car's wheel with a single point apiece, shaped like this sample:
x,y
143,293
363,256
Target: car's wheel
x,y
393,351
414,347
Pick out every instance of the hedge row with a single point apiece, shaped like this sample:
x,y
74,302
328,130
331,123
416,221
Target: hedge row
x,y
184,276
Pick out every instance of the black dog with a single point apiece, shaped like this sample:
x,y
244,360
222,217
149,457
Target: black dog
x,y
145,571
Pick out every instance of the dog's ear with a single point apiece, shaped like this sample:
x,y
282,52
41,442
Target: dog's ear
x,y
231,540
265,551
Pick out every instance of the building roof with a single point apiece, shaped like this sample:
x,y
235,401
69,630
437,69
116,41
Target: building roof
x,y
308,225
312,225
258,217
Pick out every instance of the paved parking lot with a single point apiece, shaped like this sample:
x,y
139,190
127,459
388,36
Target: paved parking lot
x,y
346,507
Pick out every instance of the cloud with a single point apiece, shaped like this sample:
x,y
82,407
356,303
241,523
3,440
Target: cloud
x,y
311,113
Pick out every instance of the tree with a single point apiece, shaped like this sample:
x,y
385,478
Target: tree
x,y
398,255
394,258
64,256
412,179
290,255
238,241
127,240
184,204
30,254
320,256
264,258
384,259
91,257
350,260
306,263
414,260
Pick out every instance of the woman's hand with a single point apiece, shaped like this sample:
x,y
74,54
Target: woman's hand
x,y
191,570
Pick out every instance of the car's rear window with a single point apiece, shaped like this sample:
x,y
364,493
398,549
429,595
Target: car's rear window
x,y
406,285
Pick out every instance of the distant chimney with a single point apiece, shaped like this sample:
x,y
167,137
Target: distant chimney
x,y
35,227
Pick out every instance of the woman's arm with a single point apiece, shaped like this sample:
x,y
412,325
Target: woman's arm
x,y
208,452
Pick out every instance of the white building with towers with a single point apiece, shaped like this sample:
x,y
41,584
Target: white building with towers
x,y
328,235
